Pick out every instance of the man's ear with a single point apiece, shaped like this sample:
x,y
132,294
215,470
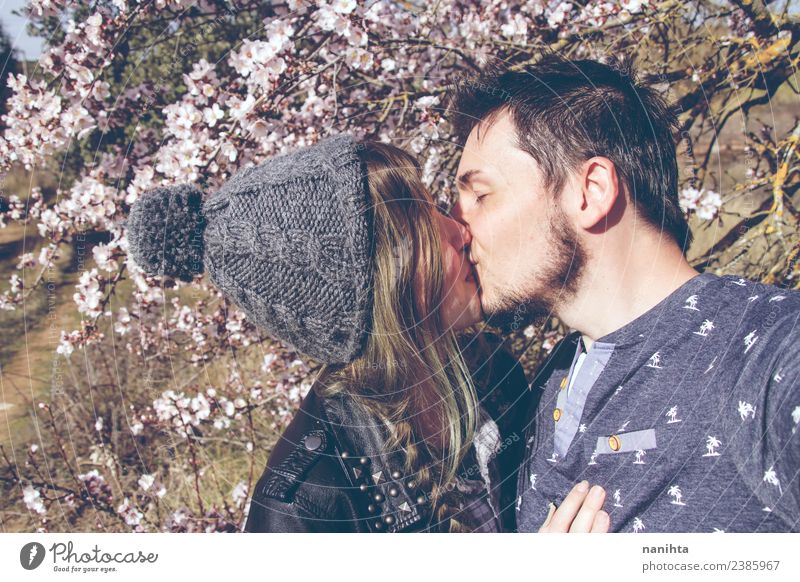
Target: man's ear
x,y
599,189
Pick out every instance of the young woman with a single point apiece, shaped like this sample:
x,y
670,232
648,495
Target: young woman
x,y
407,427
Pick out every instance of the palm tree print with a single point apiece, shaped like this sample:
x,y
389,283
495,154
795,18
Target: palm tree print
x,y
795,418
691,303
705,327
617,498
675,492
639,454
746,409
655,361
638,525
712,444
772,478
672,413
533,481
749,340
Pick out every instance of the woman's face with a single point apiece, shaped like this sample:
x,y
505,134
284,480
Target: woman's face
x,y
461,304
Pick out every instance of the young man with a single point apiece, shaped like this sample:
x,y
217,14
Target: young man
x,y
678,392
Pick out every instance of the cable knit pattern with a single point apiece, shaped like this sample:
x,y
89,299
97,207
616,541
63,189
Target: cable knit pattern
x,y
288,241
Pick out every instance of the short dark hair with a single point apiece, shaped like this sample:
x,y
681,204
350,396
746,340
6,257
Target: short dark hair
x,y
566,112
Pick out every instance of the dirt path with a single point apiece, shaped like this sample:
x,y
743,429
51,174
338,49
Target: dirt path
x,y
30,336
28,375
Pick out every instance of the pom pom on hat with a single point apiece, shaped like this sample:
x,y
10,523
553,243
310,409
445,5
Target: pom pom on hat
x,y
165,231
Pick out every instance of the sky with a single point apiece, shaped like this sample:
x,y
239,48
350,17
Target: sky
x,y
14,26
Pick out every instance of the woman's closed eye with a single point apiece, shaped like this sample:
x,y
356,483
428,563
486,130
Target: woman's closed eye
x,y
480,196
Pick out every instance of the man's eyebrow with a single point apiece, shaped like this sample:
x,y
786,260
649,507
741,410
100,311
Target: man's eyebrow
x,y
464,179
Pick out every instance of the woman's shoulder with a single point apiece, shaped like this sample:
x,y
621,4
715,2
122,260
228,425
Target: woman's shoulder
x,y
329,472
303,487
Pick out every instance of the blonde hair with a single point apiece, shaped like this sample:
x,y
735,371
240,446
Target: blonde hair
x,y
412,372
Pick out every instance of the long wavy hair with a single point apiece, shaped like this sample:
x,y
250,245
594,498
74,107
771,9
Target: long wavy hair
x,y
412,373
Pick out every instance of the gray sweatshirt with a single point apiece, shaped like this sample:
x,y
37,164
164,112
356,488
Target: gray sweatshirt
x,y
687,416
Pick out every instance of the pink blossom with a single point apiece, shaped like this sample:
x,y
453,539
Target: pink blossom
x,y
103,257
89,294
130,514
516,28
213,114
239,108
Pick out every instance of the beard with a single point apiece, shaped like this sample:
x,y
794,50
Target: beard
x,y
541,294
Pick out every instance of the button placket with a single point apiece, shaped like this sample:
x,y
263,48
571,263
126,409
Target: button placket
x,y
570,402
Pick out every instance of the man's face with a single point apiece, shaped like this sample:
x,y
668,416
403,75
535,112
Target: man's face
x,y
526,254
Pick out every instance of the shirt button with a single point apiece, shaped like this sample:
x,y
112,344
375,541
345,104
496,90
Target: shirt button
x,y
556,414
564,382
614,443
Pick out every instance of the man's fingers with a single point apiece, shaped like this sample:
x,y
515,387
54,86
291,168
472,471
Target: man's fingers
x,y
547,520
568,510
591,505
601,522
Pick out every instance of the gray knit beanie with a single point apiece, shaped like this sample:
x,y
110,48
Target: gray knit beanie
x,y
288,241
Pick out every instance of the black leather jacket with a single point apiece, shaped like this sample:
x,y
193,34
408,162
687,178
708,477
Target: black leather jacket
x,y
329,472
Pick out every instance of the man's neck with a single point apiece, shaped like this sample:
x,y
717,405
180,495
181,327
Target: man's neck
x,y
620,289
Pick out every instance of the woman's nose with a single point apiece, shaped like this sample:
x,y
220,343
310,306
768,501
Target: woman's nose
x,y
458,235
466,235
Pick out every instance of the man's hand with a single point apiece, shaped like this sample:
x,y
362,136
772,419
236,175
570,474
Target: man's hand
x,y
580,512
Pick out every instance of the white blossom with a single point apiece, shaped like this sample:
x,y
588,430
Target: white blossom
x,y
704,203
343,6
146,481
559,14
33,499
239,493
